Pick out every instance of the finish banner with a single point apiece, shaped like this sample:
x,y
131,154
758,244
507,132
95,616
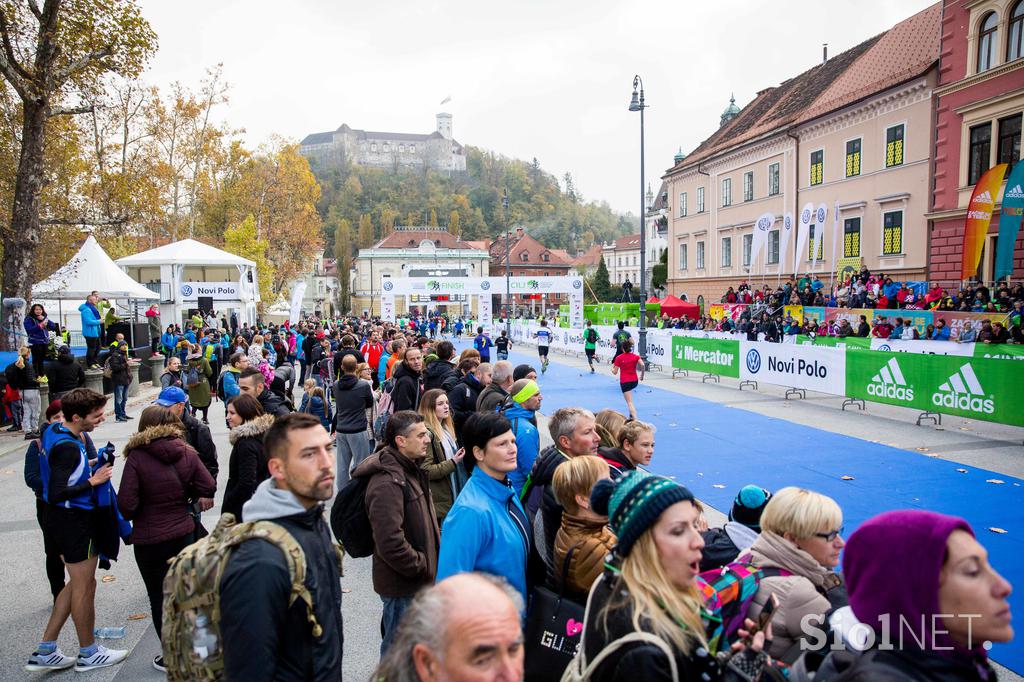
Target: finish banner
x,y
713,356
966,387
815,368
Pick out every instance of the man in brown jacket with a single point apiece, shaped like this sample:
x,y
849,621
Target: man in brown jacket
x,y
401,513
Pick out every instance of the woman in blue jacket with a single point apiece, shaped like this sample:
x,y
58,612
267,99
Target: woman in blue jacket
x,y
486,529
38,327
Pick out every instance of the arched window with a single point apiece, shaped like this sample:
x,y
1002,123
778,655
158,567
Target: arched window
x,y
1015,35
987,40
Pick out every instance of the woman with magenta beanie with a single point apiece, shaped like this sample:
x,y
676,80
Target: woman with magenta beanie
x,y
921,581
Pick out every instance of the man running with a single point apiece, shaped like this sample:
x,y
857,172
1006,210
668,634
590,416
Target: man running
x,y
543,336
619,337
590,338
502,345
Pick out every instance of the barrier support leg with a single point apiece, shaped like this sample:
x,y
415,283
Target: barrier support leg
x,y
748,382
684,372
711,377
856,402
798,392
936,417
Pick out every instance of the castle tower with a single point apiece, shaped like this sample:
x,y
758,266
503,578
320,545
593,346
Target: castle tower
x,y
444,125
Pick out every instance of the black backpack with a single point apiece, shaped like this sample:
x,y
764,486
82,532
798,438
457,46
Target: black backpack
x,y
13,376
591,335
349,520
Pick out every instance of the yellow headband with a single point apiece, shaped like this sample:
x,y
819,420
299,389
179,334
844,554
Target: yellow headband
x,y
529,390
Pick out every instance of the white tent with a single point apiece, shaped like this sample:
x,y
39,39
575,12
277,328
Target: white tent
x,y
91,269
184,252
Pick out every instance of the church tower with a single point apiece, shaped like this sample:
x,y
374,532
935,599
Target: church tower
x,y
444,125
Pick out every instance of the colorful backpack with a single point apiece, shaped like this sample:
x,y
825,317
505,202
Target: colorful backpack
x,y
728,593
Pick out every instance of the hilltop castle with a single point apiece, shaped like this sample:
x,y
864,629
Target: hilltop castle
x,y
436,151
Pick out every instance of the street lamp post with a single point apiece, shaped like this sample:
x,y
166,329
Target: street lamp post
x,y
637,104
508,268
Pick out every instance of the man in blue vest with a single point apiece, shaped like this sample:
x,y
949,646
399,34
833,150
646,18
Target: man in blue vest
x,y
69,484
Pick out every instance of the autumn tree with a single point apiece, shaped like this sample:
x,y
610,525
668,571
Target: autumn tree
x,y
52,56
241,239
365,239
453,223
433,218
343,261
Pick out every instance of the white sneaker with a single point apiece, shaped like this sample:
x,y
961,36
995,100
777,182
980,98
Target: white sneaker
x,y
103,658
55,661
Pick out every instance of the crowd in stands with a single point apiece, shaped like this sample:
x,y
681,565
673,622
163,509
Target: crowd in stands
x,y
479,534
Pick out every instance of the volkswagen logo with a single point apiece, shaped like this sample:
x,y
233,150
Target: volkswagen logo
x,y
186,290
388,286
805,217
753,361
485,285
577,284
885,346
821,215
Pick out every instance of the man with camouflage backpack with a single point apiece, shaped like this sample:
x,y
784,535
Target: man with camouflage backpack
x,y
269,610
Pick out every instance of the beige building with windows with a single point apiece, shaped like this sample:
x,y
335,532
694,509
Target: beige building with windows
x,y
854,131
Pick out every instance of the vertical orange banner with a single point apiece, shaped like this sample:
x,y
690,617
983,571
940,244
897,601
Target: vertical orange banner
x,y
979,215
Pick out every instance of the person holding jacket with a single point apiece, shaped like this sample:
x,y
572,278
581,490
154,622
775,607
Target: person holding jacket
x,y
444,456
408,376
247,464
584,540
521,410
162,474
352,399
487,528
91,322
38,327
120,378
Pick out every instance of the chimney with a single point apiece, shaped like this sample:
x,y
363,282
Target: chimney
x,y
520,232
824,52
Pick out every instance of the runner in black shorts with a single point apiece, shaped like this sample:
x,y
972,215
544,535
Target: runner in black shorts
x,y
543,336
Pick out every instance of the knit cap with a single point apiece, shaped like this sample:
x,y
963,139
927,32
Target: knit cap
x,y
748,505
634,503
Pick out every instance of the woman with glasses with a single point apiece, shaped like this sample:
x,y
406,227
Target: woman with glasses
x,y
799,546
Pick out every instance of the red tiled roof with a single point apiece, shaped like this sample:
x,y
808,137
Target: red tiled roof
x,y
534,252
628,242
591,256
410,238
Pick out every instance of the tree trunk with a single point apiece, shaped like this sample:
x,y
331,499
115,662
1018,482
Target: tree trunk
x,y
25,228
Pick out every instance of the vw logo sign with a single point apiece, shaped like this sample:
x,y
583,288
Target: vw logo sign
x,y
821,215
885,346
388,286
753,361
805,217
485,285
577,284
186,290
565,338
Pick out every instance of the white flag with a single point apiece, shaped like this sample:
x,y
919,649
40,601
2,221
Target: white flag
x,y
835,234
761,227
298,291
784,236
819,232
802,235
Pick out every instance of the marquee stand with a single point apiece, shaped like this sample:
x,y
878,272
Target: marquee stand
x,y
748,382
798,392
856,402
936,417
711,377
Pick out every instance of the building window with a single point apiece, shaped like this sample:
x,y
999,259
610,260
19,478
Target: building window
x,y
810,244
980,152
726,252
387,147
987,40
1015,34
727,192
748,244
412,149
817,166
773,247
401,149
373,147
748,182
683,253
524,256
894,146
851,237
700,200
892,233
700,255
682,204
853,158
773,179
1009,141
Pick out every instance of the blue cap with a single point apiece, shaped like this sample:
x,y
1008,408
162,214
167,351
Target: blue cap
x,y
172,395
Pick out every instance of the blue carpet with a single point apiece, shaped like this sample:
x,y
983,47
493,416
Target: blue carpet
x,y
704,444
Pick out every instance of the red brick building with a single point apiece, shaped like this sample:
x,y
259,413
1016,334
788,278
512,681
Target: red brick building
x,y
979,104
528,258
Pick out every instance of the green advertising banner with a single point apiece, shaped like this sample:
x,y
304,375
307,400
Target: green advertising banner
x,y
715,356
834,341
978,388
999,351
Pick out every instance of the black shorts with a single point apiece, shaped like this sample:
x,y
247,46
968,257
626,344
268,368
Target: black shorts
x,y
73,532
628,385
542,351
590,352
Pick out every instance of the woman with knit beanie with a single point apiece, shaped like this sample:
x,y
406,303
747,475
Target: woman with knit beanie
x,y
920,582
650,591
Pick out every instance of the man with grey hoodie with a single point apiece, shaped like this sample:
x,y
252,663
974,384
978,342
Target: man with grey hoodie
x,y
264,635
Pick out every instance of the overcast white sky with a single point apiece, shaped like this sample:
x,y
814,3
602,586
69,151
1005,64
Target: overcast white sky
x,y
550,79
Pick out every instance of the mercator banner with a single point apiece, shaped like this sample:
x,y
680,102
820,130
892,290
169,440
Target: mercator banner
x,y
815,368
714,356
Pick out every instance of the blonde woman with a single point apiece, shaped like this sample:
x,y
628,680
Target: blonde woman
x,y
255,351
650,590
444,456
609,423
28,384
583,532
635,447
801,533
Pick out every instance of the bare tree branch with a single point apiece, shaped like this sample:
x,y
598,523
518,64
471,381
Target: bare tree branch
x,y
119,220
71,111
74,67
9,61
35,9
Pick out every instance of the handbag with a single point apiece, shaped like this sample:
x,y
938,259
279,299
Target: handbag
x,y
554,626
199,531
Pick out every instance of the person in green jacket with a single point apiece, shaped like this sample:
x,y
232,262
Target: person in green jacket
x,y
199,397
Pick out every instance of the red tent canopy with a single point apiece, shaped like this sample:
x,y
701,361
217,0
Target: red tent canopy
x,y
653,299
675,307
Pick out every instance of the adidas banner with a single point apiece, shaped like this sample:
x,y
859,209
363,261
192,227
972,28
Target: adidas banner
x,y
1009,221
713,356
815,368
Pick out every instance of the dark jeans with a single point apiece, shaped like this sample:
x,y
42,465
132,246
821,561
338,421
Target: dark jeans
x,y
154,344
54,564
302,370
38,356
120,400
92,350
152,561
394,607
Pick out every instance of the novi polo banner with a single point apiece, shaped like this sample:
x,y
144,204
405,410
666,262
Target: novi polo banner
x,y
816,368
713,356
1009,221
979,215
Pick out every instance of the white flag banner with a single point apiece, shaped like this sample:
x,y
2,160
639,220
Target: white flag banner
x,y
835,239
802,235
819,232
298,291
785,234
760,239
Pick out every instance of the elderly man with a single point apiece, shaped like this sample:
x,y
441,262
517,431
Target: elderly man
x,y
497,391
465,628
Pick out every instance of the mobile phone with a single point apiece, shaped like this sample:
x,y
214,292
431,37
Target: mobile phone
x,y
766,614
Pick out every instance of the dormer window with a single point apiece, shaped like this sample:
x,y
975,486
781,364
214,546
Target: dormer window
x,y
524,256
545,257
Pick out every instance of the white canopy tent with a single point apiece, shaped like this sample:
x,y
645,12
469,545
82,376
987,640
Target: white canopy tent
x,y
184,252
91,269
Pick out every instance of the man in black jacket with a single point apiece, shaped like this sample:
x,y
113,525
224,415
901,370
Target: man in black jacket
x,y
64,374
408,376
263,636
463,397
441,373
252,381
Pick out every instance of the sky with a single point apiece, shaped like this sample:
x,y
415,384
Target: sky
x,y
547,79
